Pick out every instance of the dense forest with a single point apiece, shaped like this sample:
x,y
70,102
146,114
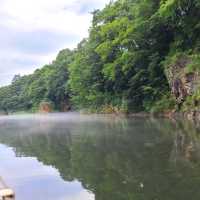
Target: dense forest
x,y
141,55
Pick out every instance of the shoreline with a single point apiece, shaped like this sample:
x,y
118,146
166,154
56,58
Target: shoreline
x,y
190,115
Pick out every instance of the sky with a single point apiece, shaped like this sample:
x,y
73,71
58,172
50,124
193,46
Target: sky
x,y
33,31
33,180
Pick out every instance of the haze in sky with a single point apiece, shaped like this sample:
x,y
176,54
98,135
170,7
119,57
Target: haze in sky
x,y
33,31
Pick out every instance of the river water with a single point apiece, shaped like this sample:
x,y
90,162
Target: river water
x,y
80,157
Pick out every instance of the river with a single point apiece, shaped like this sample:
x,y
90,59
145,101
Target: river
x,y
80,157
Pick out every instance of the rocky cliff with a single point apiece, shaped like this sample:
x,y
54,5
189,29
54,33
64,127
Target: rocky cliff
x,y
183,74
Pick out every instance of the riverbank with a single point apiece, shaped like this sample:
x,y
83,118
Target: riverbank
x,y
191,116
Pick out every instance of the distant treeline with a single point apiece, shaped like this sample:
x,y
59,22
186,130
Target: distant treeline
x,y
120,67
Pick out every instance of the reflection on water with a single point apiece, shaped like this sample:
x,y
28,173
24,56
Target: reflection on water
x,y
72,157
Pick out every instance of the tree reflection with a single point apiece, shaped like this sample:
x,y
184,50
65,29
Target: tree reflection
x,y
117,160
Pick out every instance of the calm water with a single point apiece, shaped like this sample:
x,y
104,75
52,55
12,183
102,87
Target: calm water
x,y
72,157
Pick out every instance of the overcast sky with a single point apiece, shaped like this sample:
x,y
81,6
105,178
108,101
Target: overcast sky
x,y
33,31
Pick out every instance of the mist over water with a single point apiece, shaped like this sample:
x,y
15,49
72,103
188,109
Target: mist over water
x,y
86,157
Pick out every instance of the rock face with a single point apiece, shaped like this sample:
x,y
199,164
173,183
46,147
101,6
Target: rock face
x,y
45,107
182,83
185,83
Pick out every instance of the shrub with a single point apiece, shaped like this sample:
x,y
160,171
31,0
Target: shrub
x,y
166,103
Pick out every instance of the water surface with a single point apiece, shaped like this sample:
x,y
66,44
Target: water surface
x,y
74,157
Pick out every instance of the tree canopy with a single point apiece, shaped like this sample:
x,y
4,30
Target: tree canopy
x,y
121,66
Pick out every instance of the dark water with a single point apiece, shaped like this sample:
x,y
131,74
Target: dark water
x,y
72,157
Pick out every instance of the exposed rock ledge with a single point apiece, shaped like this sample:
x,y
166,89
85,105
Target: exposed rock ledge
x,y
184,84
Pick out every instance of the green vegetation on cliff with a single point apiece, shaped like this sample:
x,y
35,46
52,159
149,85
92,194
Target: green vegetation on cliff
x,y
131,61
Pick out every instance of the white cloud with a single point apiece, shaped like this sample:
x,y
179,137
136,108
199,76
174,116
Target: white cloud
x,y
71,16
32,31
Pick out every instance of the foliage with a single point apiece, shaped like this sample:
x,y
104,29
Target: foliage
x,y
166,103
194,66
120,65
192,102
46,84
124,52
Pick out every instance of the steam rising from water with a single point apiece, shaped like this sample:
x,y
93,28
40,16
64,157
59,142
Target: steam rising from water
x,y
67,117
49,123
